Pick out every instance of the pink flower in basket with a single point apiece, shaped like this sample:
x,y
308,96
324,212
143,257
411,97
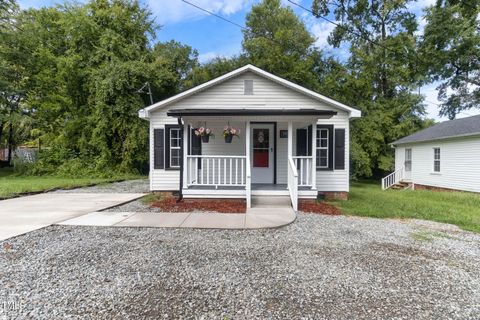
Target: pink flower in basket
x,y
202,131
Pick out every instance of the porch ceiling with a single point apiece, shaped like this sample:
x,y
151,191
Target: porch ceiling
x,y
251,112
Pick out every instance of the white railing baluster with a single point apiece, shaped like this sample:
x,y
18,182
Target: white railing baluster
x,y
236,171
392,179
210,174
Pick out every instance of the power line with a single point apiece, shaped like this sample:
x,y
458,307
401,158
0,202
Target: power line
x,y
231,22
215,15
358,34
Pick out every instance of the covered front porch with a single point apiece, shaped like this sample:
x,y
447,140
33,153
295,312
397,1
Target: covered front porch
x,y
274,154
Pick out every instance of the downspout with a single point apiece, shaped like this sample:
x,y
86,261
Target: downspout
x,y
180,194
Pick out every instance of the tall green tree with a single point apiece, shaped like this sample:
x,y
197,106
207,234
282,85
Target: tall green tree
x,y
276,40
85,65
451,45
380,76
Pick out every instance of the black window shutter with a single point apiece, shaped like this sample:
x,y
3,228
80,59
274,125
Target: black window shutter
x,y
302,142
158,149
196,145
330,145
340,149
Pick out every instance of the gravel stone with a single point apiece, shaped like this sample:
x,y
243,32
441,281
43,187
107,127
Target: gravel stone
x,y
320,267
127,186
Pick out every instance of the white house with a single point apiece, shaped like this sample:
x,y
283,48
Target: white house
x,y
446,155
280,124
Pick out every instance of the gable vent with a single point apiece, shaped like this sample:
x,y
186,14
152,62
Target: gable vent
x,y
247,87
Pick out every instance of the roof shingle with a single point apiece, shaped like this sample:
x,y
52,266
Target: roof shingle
x,y
444,130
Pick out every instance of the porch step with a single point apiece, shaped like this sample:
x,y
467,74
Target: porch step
x,y
270,201
402,185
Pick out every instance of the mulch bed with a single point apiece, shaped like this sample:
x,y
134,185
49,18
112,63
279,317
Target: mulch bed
x,y
318,207
168,203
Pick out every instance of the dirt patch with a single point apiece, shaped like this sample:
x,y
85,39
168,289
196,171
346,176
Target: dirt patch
x,y
313,206
168,203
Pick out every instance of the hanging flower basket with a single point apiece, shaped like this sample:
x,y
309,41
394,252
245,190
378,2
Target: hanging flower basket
x,y
204,133
230,132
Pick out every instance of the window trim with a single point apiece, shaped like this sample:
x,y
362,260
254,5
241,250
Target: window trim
x,y
319,147
168,147
435,160
409,161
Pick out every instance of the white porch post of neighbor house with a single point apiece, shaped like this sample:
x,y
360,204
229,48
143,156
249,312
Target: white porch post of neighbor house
x,y
185,153
248,179
314,155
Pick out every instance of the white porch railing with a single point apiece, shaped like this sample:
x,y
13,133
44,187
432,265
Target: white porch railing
x,y
304,166
293,183
248,186
216,170
393,178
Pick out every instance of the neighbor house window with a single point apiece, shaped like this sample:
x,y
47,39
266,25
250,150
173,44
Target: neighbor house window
x,y
436,159
408,159
173,136
322,148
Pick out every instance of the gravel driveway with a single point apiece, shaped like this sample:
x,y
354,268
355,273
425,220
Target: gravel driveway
x,y
319,267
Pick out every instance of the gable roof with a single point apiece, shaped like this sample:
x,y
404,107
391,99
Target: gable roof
x,y
444,130
144,113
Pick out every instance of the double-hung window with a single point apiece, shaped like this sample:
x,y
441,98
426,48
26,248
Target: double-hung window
x,y
322,148
436,159
173,137
408,159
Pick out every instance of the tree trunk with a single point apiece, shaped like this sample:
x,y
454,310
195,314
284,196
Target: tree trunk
x,y
10,142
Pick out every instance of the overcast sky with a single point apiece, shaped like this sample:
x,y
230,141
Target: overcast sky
x,y
213,37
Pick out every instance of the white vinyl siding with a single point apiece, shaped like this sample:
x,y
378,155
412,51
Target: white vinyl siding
x,y
459,165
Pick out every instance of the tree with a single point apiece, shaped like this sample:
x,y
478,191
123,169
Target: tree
x,y
13,79
277,41
451,46
379,77
83,65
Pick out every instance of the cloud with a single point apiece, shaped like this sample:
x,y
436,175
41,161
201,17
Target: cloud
x,y
172,11
321,30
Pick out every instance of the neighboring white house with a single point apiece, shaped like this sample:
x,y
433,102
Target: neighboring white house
x,y
280,124
446,155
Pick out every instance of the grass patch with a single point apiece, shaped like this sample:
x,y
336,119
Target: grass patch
x,y
12,185
427,235
458,208
151,198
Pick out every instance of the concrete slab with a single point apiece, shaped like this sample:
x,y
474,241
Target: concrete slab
x,y
215,220
98,219
145,219
25,214
268,217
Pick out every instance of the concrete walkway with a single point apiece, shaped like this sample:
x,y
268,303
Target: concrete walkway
x,y
25,214
255,218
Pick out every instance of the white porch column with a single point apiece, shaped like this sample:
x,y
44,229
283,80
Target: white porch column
x,y
247,139
248,178
290,140
314,155
185,152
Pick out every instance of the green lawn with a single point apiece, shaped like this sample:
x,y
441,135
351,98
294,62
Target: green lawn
x,y
458,208
12,185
